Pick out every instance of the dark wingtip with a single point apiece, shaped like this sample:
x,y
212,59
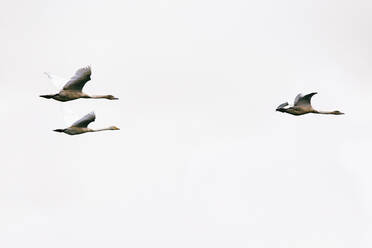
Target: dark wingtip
x,y
111,97
46,96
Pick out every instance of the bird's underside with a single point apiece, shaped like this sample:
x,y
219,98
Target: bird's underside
x,y
295,110
66,95
74,130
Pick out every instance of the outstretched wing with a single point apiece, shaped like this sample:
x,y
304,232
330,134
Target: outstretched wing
x,y
68,114
282,105
80,78
84,122
298,97
304,100
58,82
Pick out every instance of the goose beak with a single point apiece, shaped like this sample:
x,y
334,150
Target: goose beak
x,y
58,130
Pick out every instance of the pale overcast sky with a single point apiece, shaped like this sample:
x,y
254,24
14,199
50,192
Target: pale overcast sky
x,y
202,158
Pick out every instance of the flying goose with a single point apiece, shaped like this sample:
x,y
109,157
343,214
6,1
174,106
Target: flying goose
x,y
73,88
302,105
81,126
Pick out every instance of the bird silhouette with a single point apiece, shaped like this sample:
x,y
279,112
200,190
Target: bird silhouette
x,y
72,89
302,105
81,126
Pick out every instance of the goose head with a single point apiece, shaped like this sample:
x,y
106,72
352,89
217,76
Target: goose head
x,y
114,128
336,112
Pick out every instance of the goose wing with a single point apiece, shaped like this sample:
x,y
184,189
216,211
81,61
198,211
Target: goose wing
x,y
80,78
58,82
305,100
69,115
282,105
84,122
298,97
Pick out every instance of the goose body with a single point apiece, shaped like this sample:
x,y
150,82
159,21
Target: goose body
x,y
81,126
302,105
72,89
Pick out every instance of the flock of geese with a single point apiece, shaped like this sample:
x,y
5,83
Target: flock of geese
x,y
72,90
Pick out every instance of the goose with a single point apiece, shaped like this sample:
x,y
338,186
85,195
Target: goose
x,y
302,105
73,88
81,126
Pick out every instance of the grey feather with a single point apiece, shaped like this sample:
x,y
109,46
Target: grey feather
x,y
84,122
304,100
77,82
282,105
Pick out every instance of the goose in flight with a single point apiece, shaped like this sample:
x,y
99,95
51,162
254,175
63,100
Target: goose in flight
x,y
72,89
81,126
302,105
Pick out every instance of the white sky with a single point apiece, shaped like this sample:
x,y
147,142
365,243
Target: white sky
x,y
202,159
